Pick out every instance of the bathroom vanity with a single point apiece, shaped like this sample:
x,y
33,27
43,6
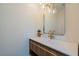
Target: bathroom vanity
x,y
58,46
43,46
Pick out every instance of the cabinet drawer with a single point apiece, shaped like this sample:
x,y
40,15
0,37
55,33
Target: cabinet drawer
x,y
39,50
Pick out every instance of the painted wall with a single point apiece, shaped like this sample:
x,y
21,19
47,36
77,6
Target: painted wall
x,y
72,23
17,22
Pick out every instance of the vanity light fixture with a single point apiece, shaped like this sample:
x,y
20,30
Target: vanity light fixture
x,y
49,6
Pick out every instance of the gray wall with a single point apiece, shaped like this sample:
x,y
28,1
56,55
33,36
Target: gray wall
x,y
17,21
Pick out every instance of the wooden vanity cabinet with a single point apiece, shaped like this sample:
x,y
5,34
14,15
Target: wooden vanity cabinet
x,y
42,50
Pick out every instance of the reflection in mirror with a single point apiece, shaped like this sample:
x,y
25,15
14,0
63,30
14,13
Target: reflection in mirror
x,y
54,18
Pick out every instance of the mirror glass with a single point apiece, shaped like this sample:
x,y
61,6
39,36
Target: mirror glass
x,y
54,18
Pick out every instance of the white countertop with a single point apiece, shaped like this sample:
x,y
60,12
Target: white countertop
x,y
59,45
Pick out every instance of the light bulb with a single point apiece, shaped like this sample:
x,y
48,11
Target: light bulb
x,y
49,10
54,11
43,6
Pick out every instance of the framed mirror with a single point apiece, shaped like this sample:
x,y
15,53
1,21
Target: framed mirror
x,y
54,18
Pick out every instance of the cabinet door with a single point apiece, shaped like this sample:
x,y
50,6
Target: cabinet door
x,y
33,47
